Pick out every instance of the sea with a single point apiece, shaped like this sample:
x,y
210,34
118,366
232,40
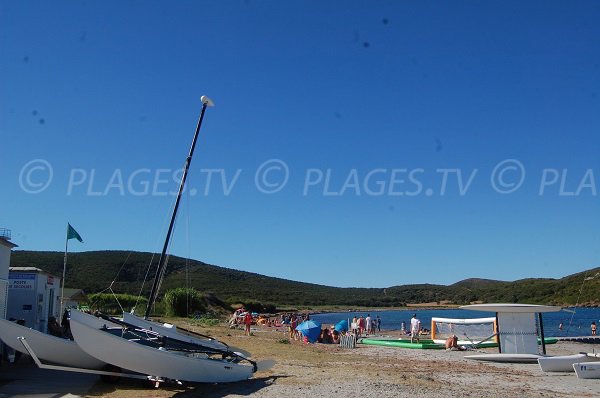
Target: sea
x,y
575,321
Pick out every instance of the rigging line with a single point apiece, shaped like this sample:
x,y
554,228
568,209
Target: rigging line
x,y
577,303
139,296
93,303
164,270
160,281
167,257
187,257
118,272
116,298
121,269
156,242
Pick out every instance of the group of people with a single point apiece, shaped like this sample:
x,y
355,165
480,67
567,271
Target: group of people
x,y
329,336
592,327
365,325
292,320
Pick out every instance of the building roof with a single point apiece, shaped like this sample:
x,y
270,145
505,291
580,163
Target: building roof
x,y
75,294
25,269
30,269
7,243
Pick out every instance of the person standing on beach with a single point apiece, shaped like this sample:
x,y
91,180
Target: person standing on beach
x,y
415,328
378,323
292,326
593,326
368,324
248,322
361,325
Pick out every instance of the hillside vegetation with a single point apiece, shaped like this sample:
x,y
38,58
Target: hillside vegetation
x,y
96,271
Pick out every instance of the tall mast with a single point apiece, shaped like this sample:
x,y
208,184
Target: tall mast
x,y
206,102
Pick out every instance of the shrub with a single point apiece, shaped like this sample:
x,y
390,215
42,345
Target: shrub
x,y
183,301
109,303
205,321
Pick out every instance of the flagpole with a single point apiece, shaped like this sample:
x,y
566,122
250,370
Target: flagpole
x,y
62,289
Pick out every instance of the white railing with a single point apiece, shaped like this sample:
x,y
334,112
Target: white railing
x,y
5,233
348,341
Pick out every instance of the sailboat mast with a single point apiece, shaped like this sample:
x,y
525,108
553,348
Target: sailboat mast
x,y
163,256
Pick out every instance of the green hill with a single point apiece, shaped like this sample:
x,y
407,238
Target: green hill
x,y
95,271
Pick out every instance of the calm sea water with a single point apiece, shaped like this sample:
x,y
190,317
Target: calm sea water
x,y
577,324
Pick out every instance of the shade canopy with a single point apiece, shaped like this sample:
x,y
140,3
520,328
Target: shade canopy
x,y
310,329
341,326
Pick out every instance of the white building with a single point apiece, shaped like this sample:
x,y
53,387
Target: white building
x,y
33,295
5,250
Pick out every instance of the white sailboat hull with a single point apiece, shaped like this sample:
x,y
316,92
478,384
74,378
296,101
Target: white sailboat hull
x,y
47,347
564,363
510,358
151,361
587,370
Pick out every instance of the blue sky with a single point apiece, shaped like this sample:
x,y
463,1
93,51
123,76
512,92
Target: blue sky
x,y
424,142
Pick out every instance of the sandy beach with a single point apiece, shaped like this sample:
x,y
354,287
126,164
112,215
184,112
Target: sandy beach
x,y
370,371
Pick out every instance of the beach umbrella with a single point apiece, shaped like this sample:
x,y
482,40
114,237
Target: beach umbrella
x,y
310,329
341,326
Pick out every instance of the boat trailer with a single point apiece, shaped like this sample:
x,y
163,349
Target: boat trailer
x,y
106,375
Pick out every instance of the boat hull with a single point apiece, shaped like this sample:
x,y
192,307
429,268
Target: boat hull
x,y
47,347
587,370
147,360
423,344
510,358
564,363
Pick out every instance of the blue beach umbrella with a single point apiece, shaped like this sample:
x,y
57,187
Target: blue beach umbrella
x,y
341,326
310,329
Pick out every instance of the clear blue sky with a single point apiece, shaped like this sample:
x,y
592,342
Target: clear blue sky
x,y
343,93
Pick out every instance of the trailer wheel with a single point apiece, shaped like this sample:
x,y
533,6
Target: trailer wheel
x,y
109,378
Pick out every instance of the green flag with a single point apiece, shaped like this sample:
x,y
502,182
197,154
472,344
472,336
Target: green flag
x,y
72,234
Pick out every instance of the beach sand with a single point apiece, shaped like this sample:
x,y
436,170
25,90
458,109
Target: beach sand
x,y
320,370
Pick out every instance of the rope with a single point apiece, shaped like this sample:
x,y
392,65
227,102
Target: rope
x,y
144,281
116,299
187,257
577,303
